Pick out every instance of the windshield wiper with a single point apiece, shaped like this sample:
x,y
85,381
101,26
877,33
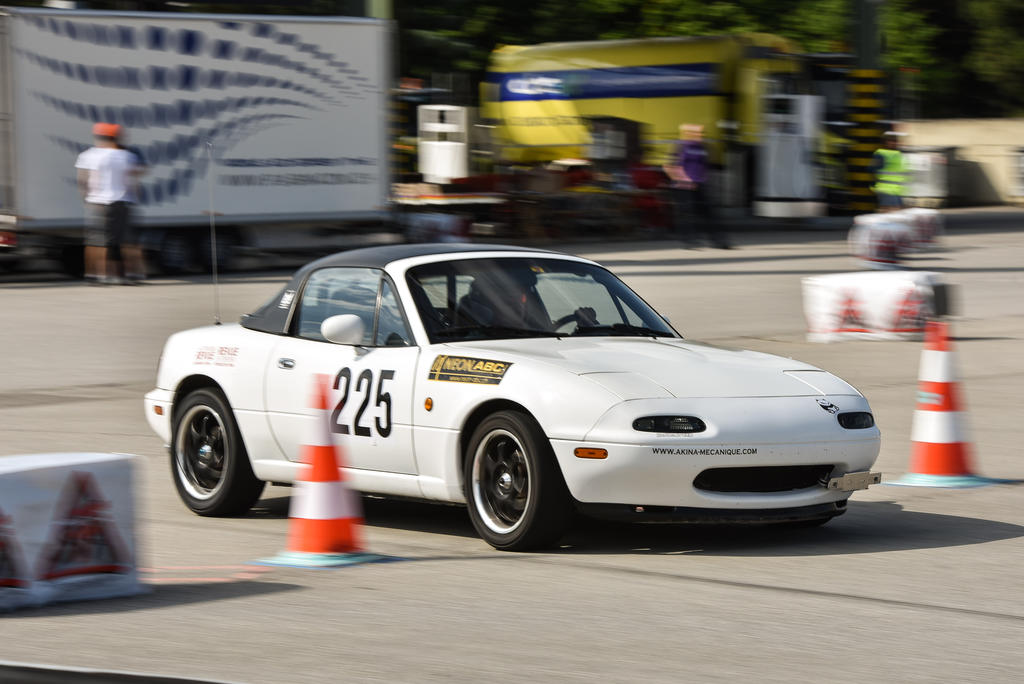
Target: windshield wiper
x,y
491,332
623,329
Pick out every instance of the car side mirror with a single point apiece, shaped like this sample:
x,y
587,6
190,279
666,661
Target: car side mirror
x,y
343,329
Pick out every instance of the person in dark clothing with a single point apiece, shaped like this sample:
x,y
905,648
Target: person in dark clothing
x,y
691,208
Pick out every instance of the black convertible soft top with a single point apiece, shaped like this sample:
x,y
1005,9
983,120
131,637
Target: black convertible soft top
x,y
273,316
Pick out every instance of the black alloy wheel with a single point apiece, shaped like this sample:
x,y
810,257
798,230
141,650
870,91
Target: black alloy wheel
x,y
516,494
208,459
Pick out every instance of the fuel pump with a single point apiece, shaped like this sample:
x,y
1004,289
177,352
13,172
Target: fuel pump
x,y
787,180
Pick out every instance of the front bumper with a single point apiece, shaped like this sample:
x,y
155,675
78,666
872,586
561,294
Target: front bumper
x,y
672,475
712,516
160,422
756,453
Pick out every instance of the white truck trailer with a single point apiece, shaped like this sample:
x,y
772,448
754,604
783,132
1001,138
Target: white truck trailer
x,y
276,124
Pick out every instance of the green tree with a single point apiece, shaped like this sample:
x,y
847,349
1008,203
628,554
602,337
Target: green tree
x,y
967,56
816,25
909,38
997,53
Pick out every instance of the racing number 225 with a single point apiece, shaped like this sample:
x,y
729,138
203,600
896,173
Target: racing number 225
x,y
362,386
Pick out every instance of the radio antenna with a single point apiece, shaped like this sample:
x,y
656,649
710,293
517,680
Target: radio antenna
x,y
213,235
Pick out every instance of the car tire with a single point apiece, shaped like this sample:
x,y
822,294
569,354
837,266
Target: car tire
x,y
178,252
226,247
209,462
72,260
515,491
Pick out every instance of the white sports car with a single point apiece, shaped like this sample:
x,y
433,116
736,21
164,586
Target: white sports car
x,y
524,383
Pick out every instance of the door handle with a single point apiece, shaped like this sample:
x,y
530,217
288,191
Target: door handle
x,y
287,364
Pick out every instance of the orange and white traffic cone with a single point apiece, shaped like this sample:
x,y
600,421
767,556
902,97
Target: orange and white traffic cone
x,y
325,515
940,449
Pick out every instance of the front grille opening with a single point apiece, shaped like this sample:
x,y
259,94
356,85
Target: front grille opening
x,y
762,478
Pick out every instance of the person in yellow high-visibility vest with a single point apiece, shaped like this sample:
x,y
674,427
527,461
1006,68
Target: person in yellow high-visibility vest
x,y
891,174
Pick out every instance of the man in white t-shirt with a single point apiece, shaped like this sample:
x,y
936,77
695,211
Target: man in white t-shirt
x,y
107,178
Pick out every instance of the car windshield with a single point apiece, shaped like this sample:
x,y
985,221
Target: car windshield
x,y
503,298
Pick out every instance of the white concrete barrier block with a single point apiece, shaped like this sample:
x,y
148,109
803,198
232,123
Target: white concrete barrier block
x,y
889,305
927,227
882,241
67,529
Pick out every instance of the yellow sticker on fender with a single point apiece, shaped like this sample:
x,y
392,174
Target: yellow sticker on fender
x,y
465,369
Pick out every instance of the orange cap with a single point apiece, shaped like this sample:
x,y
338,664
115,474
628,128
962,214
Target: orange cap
x,y
106,130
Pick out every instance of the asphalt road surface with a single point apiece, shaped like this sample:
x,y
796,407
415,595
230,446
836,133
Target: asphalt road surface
x,y
911,585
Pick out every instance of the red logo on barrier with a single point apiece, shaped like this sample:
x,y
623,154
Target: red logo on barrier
x,y
849,317
883,247
910,315
10,569
84,540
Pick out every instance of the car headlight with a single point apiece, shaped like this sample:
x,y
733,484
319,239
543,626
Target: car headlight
x,y
669,424
856,420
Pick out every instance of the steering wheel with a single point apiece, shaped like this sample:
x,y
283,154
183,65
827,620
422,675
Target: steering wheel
x,y
584,315
564,320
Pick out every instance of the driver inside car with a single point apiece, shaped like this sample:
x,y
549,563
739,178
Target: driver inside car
x,y
509,299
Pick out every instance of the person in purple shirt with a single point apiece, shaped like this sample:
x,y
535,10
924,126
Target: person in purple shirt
x,y
688,171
